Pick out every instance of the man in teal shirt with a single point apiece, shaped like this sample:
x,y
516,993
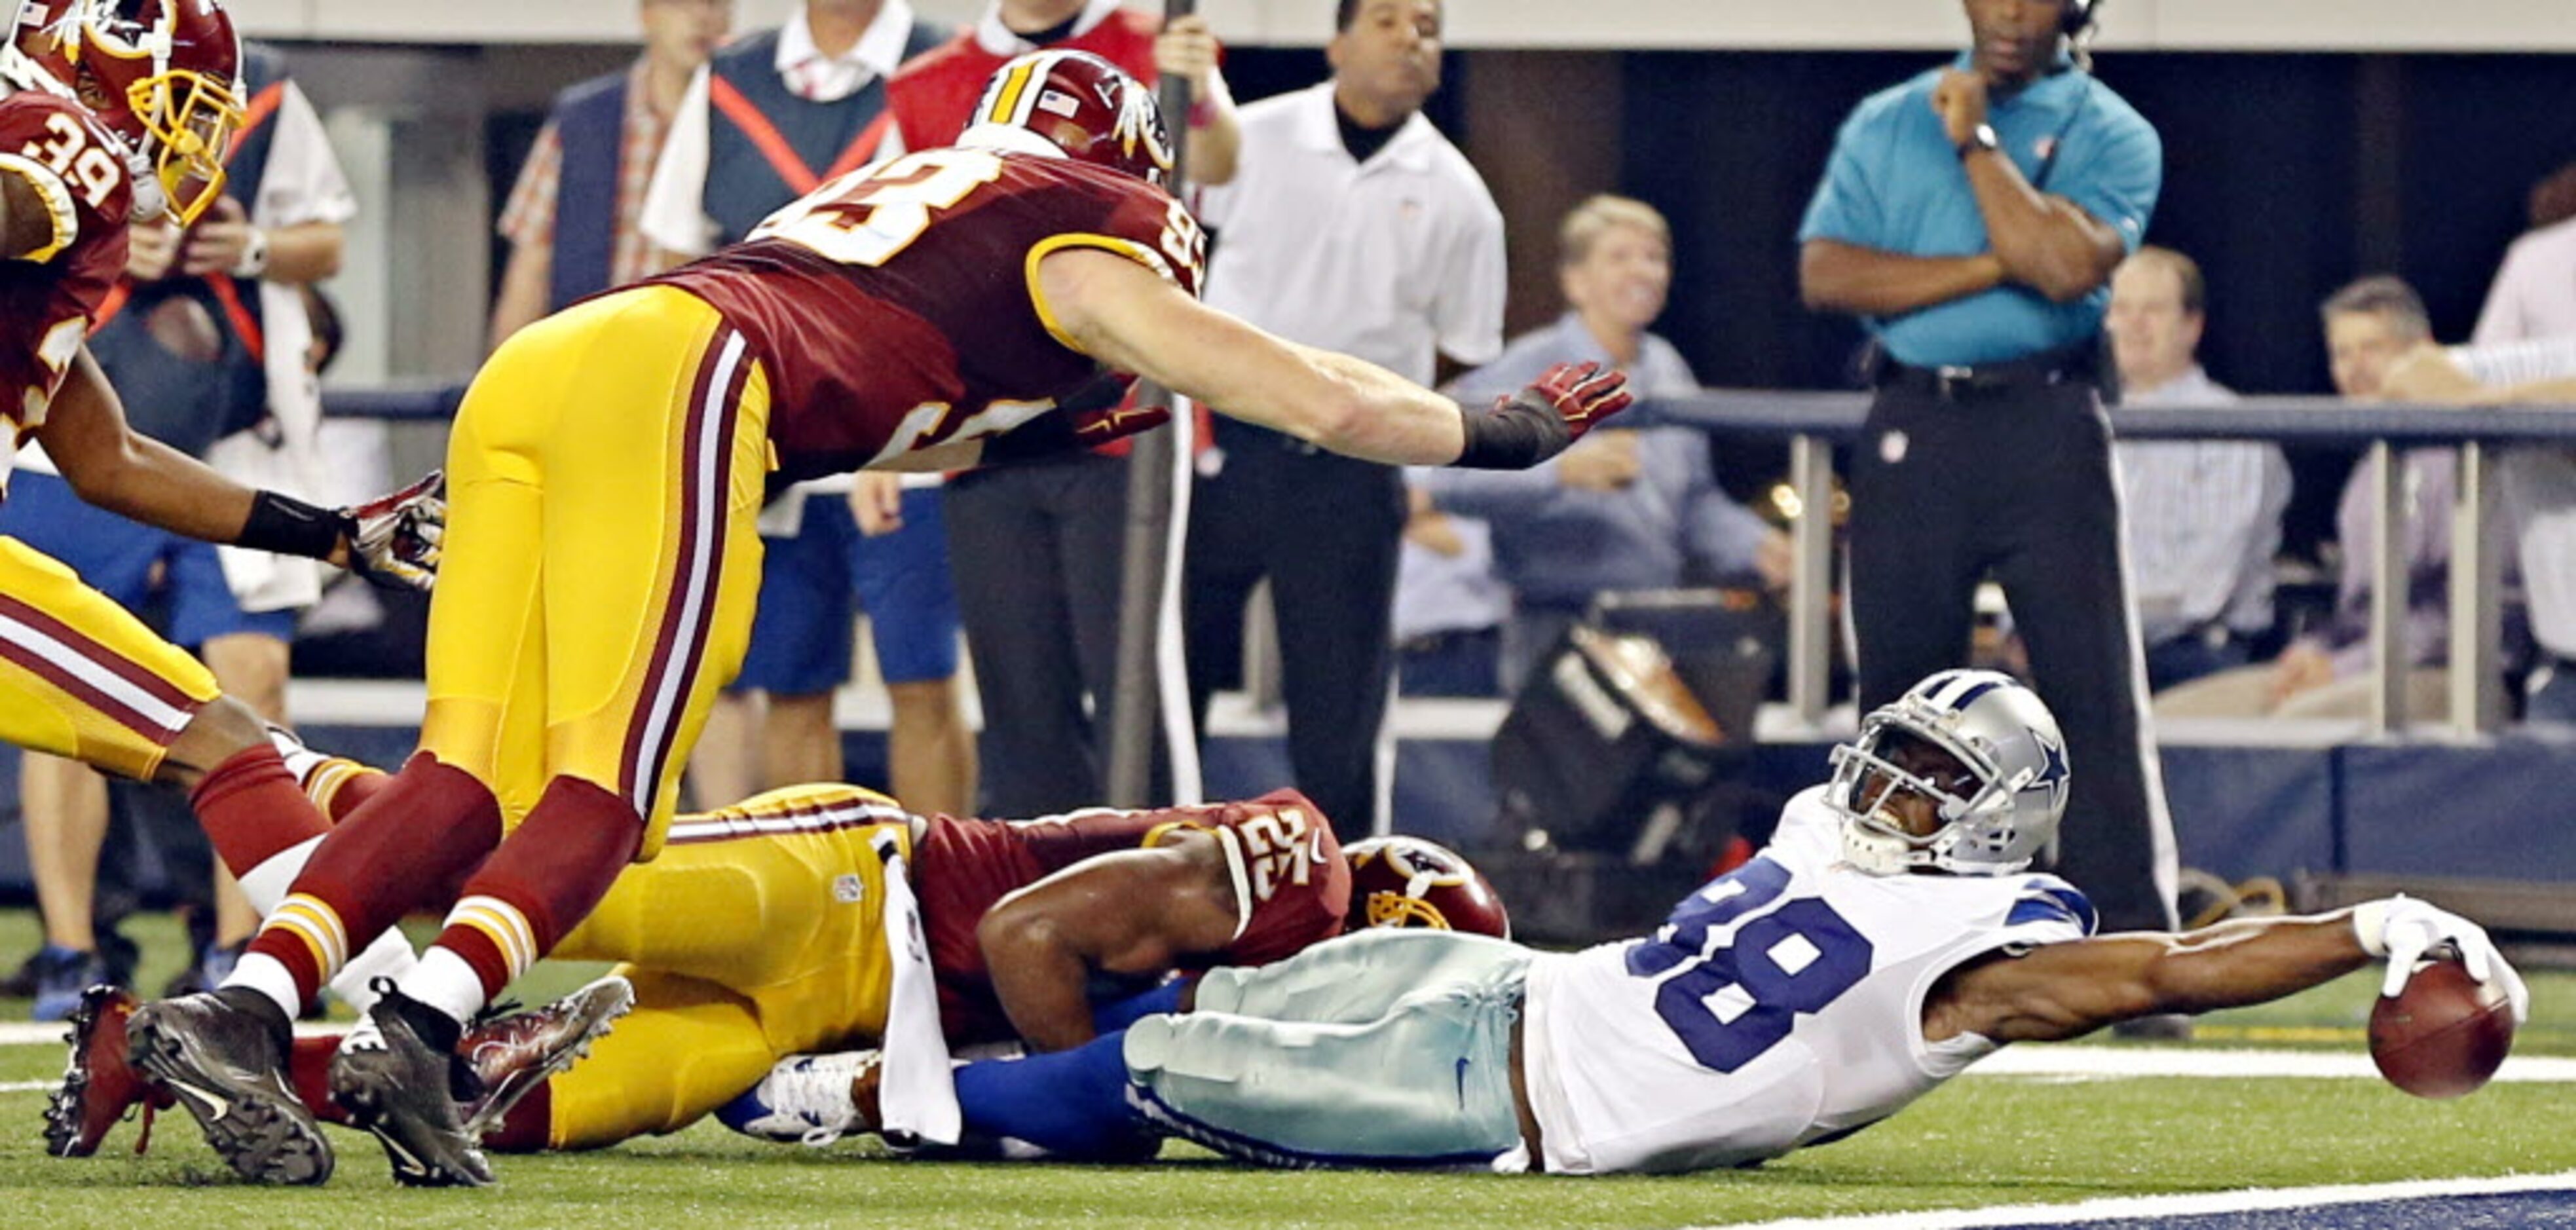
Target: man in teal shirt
x,y
1971,217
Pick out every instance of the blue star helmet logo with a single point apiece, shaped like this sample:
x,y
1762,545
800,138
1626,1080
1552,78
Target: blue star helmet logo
x,y
2052,770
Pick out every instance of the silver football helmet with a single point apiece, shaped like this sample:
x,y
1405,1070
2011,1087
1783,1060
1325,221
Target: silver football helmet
x,y
2017,778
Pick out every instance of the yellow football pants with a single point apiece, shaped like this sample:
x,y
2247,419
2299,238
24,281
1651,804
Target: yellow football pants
x,y
756,935
81,677
601,562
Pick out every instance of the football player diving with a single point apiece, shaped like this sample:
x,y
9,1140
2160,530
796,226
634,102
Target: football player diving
x,y
939,310
120,112
783,925
1889,937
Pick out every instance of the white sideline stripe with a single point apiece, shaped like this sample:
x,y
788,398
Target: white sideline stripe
x,y
2114,1063
2175,1206
50,1033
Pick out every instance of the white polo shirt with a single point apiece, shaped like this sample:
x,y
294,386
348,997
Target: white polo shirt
x,y
1393,260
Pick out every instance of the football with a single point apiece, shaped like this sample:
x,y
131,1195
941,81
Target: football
x,y
2443,1035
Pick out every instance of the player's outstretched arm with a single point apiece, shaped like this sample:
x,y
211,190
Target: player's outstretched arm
x,y
1128,317
1135,912
394,539
2060,991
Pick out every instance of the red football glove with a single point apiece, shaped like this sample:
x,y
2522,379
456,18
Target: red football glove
x,y
1545,417
394,539
1581,393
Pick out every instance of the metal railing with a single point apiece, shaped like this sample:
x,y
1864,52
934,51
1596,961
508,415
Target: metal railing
x,y
1815,422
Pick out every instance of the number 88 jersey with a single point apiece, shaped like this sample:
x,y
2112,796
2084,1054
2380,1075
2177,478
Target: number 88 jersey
x,y
78,172
1780,1006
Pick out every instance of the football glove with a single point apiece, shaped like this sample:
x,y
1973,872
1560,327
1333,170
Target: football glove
x,y
2406,932
394,539
1544,418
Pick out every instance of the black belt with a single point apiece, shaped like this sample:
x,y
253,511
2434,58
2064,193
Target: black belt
x,y
2072,365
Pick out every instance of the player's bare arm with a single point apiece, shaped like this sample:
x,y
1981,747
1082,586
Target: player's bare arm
x,y
26,226
1845,277
2060,991
1136,912
111,466
1130,318
394,540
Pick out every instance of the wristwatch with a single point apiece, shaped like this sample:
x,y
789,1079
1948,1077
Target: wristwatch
x,y
253,260
1982,139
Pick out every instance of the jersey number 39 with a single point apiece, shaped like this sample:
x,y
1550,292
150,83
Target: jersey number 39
x,y
1731,1003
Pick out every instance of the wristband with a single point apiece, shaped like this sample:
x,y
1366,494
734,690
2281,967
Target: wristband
x,y
254,256
1511,437
290,526
2370,925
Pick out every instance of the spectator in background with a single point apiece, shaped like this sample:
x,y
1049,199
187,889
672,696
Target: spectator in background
x,y
591,165
1972,217
1038,547
2203,516
207,339
2534,299
1349,223
2369,326
1449,603
1625,509
767,119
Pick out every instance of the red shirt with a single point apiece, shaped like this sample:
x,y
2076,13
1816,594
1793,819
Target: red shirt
x,y
895,308
934,93
47,301
1296,884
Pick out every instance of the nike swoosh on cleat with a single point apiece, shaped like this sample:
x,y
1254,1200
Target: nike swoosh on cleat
x,y
218,1105
1462,1081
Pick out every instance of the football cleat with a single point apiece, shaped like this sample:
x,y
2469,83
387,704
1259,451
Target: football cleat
x,y
223,1055
806,1100
513,1054
100,1084
397,1075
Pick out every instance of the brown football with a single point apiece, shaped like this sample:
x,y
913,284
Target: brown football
x,y
2443,1035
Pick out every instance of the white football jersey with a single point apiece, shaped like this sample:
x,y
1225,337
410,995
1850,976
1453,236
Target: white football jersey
x,y
1780,1006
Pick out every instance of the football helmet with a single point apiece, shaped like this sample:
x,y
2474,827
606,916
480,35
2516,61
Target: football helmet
x,y
1994,824
1409,882
164,75
1078,105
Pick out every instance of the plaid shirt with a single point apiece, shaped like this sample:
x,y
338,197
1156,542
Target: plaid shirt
x,y
530,215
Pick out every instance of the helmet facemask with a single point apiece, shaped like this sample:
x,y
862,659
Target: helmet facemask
x,y
1991,823
181,119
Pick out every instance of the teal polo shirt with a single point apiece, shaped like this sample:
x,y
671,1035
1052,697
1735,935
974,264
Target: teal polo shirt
x,y
1895,183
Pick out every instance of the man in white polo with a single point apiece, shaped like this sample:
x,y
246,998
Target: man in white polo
x,y
1350,224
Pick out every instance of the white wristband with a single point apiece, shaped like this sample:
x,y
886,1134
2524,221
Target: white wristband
x,y
2370,925
254,256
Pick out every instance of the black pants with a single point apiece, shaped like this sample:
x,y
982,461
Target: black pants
x,y
1036,551
1325,530
2017,482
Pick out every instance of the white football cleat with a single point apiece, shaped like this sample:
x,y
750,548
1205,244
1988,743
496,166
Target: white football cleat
x,y
806,1099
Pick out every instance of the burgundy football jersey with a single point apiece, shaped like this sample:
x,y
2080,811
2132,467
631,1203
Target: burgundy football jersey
x,y
894,308
78,168
1283,845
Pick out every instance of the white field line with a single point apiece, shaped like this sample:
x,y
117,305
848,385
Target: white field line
x,y
2176,1206
51,1033
2118,1062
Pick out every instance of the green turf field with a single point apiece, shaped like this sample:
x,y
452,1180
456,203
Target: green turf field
x,y
1979,1141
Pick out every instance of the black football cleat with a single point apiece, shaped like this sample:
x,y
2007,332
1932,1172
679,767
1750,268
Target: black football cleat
x,y
101,1086
398,1075
223,1055
513,1054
